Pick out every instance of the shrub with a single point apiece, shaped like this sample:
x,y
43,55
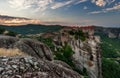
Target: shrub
x,y
65,54
2,30
11,33
78,34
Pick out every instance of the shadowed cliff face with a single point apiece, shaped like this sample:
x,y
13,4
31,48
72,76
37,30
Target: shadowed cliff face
x,y
38,62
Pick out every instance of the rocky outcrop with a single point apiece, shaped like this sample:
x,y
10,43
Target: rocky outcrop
x,y
29,67
87,54
37,63
31,47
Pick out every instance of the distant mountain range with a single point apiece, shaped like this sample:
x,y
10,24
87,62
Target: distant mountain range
x,y
15,21
109,31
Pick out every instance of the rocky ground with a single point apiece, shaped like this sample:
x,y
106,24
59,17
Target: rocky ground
x,y
29,67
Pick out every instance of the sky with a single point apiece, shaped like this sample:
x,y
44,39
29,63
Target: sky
x,y
65,12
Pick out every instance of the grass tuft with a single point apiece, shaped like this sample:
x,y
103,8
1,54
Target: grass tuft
x,y
11,52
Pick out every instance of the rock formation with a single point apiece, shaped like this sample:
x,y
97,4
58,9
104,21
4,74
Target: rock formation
x,y
87,55
29,67
29,46
38,63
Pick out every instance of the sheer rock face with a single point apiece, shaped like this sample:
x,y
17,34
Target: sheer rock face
x,y
29,46
29,67
88,55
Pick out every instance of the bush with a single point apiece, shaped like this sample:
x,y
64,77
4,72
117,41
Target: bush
x,y
47,41
65,54
2,30
11,33
78,35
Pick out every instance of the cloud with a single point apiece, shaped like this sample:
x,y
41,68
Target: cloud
x,y
42,5
85,7
67,2
115,7
102,3
95,12
61,4
80,1
25,4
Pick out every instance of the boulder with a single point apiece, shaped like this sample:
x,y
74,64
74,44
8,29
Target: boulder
x,y
31,47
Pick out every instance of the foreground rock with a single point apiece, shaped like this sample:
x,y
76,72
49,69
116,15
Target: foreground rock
x,y
29,67
31,47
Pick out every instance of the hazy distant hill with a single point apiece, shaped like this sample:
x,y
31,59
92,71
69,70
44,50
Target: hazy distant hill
x,y
32,29
111,32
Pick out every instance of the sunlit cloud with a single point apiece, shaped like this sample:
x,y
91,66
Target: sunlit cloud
x,y
8,20
102,3
115,7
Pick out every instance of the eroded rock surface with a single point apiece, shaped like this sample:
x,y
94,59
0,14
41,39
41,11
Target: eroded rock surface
x,y
29,67
87,55
29,46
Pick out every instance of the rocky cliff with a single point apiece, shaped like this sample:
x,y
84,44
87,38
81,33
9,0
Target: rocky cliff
x,y
87,52
88,55
38,62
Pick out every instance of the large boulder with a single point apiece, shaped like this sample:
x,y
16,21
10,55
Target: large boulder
x,y
31,47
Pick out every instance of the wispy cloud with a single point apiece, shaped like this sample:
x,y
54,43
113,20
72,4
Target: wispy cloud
x,y
115,7
25,4
61,4
41,5
80,1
